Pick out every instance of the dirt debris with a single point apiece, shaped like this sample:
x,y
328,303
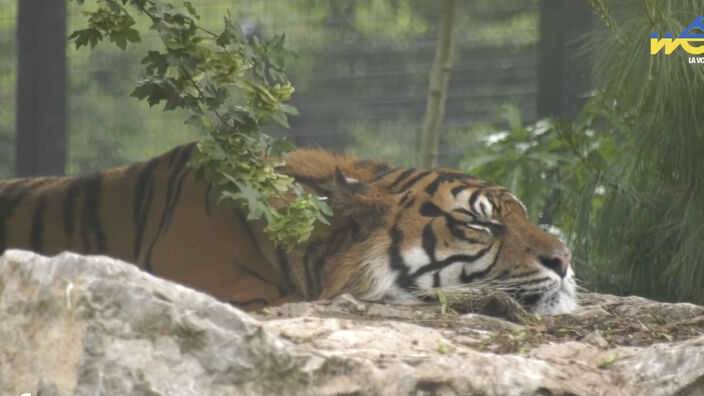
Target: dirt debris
x,y
494,322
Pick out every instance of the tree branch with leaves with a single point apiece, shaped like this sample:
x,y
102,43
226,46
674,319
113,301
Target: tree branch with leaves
x,y
232,87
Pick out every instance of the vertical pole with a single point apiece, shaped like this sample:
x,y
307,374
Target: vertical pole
x,y
563,70
41,88
439,80
563,73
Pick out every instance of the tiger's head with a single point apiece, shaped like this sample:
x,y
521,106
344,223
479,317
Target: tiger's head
x,y
420,229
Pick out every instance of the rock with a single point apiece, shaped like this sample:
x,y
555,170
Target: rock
x,y
74,325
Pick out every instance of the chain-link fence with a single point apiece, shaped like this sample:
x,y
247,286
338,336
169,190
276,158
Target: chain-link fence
x,y
361,78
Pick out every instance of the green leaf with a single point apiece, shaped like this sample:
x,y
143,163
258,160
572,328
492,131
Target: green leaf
x,y
119,38
288,109
279,146
191,10
280,119
132,35
84,37
156,63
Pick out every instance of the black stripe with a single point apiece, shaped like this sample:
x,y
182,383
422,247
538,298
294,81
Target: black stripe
x,y
433,186
409,203
172,154
319,267
91,217
496,229
385,173
311,287
175,184
469,278
337,238
316,255
400,178
464,258
13,194
313,261
142,226
72,192
381,169
173,193
396,260
436,279
143,194
37,231
465,212
318,252
285,268
454,227
410,183
429,240
405,197
473,198
429,209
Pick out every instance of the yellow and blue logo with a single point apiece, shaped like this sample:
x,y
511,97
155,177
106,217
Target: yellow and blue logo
x,y
691,42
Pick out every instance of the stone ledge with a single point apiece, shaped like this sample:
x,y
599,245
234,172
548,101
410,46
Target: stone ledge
x,y
75,325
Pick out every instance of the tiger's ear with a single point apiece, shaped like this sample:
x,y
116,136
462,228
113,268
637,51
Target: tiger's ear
x,y
342,183
356,199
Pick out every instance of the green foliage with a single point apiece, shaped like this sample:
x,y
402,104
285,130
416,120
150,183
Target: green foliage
x,y
651,227
628,170
230,87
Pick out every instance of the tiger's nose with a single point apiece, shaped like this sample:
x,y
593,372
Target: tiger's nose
x,y
559,262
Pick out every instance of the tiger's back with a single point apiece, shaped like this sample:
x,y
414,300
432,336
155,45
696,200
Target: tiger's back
x,y
154,214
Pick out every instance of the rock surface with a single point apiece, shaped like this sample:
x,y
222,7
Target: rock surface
x,y
74,325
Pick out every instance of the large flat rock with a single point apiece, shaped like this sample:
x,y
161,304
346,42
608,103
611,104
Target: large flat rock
x,y
75,325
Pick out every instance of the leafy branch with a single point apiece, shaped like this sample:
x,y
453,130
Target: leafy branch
x,y
231,86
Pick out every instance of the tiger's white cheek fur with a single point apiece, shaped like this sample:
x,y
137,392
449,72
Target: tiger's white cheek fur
x,y
385,287
376,265
414,258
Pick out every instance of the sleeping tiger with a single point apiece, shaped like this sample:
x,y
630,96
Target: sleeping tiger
x,y
394,232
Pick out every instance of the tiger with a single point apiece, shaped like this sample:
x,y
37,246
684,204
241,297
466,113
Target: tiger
x,y
395,232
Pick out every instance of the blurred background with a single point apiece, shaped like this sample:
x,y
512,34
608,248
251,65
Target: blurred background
x,y
558,100
361,78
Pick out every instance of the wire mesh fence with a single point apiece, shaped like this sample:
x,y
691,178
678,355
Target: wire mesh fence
x,y
361,78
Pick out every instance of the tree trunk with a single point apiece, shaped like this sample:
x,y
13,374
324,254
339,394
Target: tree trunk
x,y
439,79
41,88
563,76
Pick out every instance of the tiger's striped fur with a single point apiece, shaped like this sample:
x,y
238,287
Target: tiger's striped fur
x,y
394,231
